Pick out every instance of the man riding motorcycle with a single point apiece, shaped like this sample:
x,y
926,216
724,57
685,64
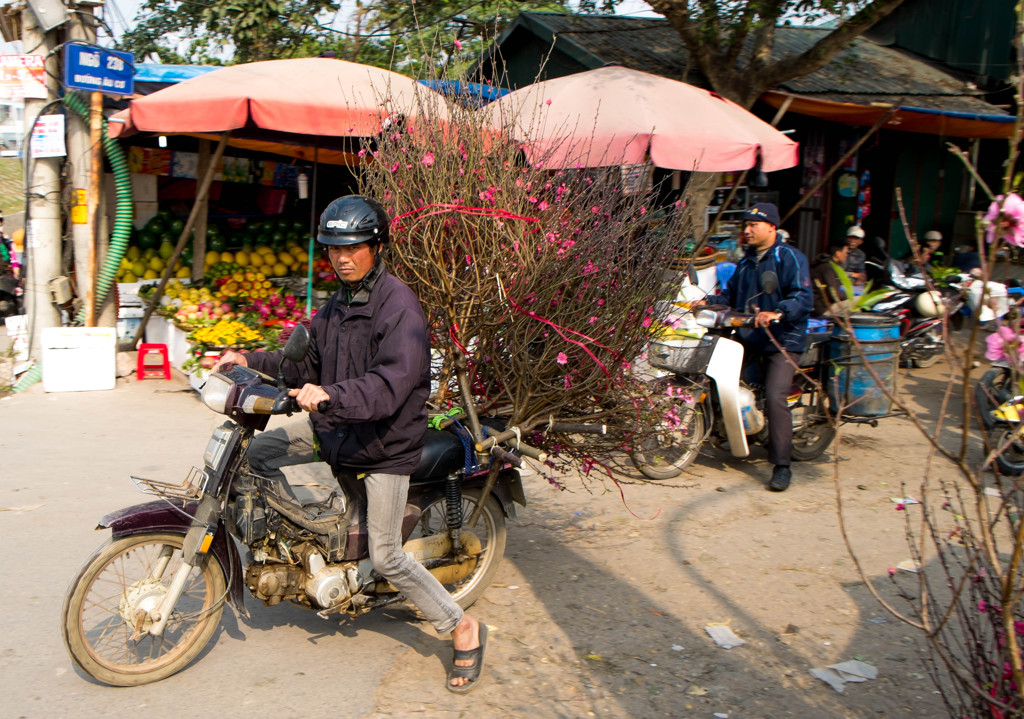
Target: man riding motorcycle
x,y
365,382
781,315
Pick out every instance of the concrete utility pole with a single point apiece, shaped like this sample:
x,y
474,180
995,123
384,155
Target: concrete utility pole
x,y
42,187
86,174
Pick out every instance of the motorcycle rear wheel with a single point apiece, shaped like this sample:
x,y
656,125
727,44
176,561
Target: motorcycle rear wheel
x,y
934,335
1011,460
993,389
119,577
666,450
813,432
489,528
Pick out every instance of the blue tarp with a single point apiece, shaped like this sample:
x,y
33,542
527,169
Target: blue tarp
x,y
169,74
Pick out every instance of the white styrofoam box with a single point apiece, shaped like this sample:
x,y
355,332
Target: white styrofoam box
x,y
17,333
127,327
79,359
144,187
134,313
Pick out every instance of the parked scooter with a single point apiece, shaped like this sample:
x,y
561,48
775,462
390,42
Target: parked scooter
x,y
1005,435
922,312
148,601
708,401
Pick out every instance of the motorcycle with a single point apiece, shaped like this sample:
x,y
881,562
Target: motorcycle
x,y
921,311
706,400
147,602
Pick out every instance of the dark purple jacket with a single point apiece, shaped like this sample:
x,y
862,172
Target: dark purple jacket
x,y
371,354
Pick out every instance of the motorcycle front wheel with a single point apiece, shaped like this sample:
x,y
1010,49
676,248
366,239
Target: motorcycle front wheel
x,y
667,449
813,431
106,611
1011,460
489,528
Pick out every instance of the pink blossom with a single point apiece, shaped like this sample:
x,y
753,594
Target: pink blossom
x,y
595,209
562,358
643,210
548,102
362,152
1005,216
900,507
543,205
892,571
428,159
394,168
532,199
567,382
458,45
600,302
592,320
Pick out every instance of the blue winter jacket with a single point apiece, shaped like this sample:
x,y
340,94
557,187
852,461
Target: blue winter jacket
x,y
794,299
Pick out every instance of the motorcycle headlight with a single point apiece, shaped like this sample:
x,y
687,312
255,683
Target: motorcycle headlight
x,y
707,318
215,393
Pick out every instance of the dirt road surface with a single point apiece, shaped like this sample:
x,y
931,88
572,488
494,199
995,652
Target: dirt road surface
x,y
599,609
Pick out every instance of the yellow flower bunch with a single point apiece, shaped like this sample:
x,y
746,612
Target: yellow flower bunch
x,y
226,333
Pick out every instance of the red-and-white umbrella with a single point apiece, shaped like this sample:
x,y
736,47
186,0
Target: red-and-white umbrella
x,y
618,116
304,96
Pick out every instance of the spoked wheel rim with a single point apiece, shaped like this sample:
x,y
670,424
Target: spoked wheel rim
x,y
813,431
489,528
107,611
665,450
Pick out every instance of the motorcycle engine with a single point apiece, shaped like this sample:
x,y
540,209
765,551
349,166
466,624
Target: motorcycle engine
x,y
314,582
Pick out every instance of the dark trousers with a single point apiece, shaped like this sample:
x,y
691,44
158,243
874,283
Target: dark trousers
x,y
775,372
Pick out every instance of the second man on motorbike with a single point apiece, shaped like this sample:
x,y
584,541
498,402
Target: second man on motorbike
x,y
773,345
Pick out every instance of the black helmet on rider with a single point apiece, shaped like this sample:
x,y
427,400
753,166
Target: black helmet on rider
x,y
353,219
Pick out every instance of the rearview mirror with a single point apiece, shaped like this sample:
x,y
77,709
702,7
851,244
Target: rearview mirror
x,y
297,345
769,282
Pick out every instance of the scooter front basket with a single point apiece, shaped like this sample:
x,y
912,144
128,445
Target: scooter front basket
x,y
681,356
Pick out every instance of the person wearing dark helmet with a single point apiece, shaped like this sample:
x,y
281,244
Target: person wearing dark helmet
x,y
781,316
369,361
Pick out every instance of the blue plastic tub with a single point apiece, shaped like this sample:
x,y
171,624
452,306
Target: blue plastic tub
x,y
853,386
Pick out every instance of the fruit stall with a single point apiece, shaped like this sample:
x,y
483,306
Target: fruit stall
x,y
255,285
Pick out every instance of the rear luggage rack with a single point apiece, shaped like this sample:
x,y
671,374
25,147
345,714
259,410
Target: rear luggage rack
x,y
190,488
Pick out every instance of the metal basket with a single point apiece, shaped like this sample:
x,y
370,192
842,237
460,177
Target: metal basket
x,y
682,356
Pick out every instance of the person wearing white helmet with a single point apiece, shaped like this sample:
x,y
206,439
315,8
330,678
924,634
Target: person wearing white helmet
x,y
855,257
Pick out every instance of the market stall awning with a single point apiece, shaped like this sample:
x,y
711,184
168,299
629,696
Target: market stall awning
x,y
307,98
616,116
907,118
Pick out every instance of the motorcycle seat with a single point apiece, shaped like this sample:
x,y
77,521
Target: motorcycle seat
x,y
812,348
443,453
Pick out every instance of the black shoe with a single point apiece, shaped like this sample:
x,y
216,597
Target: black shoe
x,y
781,477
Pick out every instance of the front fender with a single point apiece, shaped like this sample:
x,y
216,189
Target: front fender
x,y
724,368
175,515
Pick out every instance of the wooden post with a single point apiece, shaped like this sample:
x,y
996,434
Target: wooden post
x,y
202,206
203,190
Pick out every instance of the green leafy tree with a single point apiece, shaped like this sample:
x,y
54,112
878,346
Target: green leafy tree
x,y
731,41
235,31
435,37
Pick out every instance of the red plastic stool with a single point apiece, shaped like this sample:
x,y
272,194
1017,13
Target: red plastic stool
x,y
149,370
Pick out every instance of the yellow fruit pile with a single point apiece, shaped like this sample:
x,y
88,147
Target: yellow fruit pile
x,y
226,333
148,265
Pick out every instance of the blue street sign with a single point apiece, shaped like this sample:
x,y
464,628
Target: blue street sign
x,y
99,70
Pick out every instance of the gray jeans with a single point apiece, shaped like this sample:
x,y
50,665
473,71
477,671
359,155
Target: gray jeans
x,y
386,496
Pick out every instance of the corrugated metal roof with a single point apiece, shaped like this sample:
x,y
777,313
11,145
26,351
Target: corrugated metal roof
x,y
863,72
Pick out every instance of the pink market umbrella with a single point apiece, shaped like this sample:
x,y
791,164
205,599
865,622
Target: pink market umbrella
x,y
304,96
618,116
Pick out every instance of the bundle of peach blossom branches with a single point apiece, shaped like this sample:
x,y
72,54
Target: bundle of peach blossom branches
x,y
542,286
